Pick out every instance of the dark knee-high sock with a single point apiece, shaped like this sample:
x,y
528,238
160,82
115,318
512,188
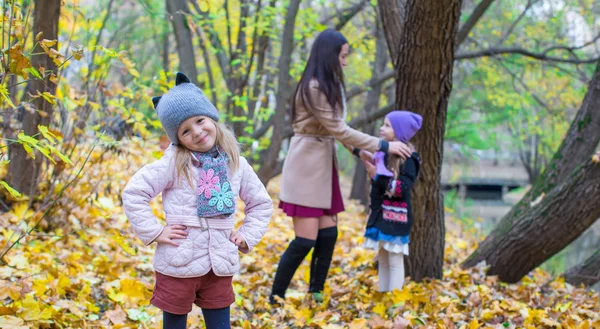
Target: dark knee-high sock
x,y
217,318
174,321
321,259
291,259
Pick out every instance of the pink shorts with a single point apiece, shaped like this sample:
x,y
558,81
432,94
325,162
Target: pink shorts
x,y
176,295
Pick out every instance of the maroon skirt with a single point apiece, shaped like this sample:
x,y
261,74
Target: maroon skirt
x,y
337,203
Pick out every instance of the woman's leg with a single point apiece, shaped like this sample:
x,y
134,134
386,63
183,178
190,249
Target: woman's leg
x,y
174,321
384,270
396,270
323,253
306,229
217,319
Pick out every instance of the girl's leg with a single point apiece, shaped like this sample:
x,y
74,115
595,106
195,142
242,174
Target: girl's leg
x,y
396,270
174,321
323,253
384,270
306,229
217,319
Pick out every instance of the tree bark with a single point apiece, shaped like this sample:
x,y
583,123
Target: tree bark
x,y
580,142
421,39
284,93
23,172
514,249
586,273
178,10
360,181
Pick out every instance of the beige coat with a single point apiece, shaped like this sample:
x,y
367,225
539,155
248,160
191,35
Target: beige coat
x,y
307,170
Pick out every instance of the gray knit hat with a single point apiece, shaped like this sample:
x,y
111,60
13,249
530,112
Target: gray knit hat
x,y
182,102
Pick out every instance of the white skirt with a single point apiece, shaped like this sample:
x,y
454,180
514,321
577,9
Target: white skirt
x,y
391,247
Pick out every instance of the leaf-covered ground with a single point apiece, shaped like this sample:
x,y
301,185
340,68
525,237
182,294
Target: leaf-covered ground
x,y
92,272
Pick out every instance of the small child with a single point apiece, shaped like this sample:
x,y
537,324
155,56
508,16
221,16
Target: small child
x,y
200,177
390,218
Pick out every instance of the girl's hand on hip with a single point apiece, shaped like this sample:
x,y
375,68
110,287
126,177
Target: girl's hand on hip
x,y
172,232
399,148
238,240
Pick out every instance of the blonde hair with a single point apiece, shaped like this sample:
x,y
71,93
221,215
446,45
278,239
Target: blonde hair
x,y
224,139
395,161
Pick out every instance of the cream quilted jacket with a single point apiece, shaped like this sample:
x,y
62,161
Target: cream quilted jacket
x,y
207,244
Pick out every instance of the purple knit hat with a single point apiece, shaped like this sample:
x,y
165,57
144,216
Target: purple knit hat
x,y
405,124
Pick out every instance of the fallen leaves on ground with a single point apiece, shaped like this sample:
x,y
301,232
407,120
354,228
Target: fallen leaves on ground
x,y
93,272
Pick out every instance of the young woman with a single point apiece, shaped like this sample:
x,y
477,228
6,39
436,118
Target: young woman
x,y
310,190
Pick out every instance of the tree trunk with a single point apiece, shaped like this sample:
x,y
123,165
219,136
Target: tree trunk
x,y
178,10
360,182
284,92
586,273
421,36
546,228
580,142
23,172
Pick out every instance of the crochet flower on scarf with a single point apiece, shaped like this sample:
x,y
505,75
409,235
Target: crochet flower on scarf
x,y
222,196
207,183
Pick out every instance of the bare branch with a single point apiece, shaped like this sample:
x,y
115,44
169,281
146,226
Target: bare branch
x,y
373,83
473,19
345,15
491,52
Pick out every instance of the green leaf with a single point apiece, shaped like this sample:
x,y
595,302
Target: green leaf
x,y
63,157
10,190
35,72
27,139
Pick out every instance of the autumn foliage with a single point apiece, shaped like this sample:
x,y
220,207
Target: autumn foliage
x,y
93,272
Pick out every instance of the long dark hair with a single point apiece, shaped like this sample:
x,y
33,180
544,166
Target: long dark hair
x,y
323,65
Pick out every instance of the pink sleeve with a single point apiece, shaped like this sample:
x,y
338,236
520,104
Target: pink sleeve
x,y
147,183
259,207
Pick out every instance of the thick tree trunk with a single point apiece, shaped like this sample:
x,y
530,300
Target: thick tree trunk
x,y
421,36
360,182
178,10
546,228
586,273
577,147
23,173
272,165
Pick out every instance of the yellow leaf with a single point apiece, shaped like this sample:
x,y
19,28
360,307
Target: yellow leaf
x,y
133,289
9,321
10,190
474,324
358,324
401,295
63,282
47,134
39,36
5,96
380,309
204,5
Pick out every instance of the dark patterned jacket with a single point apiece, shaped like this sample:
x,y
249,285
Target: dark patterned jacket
x,y
391,209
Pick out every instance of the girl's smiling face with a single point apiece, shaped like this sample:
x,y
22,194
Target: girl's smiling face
x,y
386,132
197,134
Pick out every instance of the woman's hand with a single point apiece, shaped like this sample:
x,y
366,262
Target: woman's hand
x,y
172,232
238,240
399,148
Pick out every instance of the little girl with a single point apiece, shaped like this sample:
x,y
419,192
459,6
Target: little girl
x,y
390,219
200,176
